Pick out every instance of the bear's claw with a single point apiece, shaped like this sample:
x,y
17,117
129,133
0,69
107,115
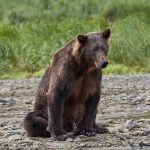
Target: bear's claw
x,y
87,132
101,130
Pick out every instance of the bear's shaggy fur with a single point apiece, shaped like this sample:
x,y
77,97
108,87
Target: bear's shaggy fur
x,y
69,92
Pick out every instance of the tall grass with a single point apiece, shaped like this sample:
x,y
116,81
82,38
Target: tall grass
x,y
31,31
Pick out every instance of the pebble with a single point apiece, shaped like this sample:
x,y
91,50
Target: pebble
x,y
12,127
6,135
6,101
26,140
145,133
15,137
36,145
69,140
131,143
121,130
77,139
21,148
108,144
28,102
1,133
83,145
144,144
3,124
103,123
131,124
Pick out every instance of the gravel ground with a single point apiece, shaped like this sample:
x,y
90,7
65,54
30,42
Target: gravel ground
x,y
124,109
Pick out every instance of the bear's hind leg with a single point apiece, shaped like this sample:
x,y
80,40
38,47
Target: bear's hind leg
x,y
36,125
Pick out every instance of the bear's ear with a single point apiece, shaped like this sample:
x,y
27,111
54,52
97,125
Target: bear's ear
x,y
106,33
81,38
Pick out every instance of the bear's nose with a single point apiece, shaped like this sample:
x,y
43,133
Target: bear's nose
x,y
104,64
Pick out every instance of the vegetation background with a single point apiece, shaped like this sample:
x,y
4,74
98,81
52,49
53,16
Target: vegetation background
x,y
32,30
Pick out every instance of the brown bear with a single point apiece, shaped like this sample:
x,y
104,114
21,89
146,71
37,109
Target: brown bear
x,y
69,92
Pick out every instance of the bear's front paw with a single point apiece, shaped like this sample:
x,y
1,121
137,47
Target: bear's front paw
x,y
100,129
86,132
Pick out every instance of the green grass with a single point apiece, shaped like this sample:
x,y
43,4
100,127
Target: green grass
x,y
31,31
116,69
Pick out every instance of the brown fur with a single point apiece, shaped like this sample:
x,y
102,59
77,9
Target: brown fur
x,y
78,95
69,92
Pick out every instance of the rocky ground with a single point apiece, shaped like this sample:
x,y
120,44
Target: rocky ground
x,y
124,109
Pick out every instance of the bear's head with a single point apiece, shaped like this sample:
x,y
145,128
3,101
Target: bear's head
x,y
93,47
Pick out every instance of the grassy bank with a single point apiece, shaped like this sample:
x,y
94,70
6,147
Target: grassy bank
x,y
115,69
31,31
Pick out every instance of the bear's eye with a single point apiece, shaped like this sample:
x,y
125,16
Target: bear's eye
x,y
103,48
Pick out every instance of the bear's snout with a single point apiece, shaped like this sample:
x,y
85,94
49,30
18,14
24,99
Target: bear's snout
x,y
104,64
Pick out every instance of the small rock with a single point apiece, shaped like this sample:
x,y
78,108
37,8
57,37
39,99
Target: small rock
x,y
28,102
13,126
6,135
77,139
131,124
121,130
15,137
103,124
131,143
83,145
145,133
82,136
108,144
26,142
6,101
36,145
111,121
69,139
21,148
144,144
3,123
121,137
1,133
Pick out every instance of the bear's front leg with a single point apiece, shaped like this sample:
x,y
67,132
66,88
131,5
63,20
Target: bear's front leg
x,y
88,126
55,121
